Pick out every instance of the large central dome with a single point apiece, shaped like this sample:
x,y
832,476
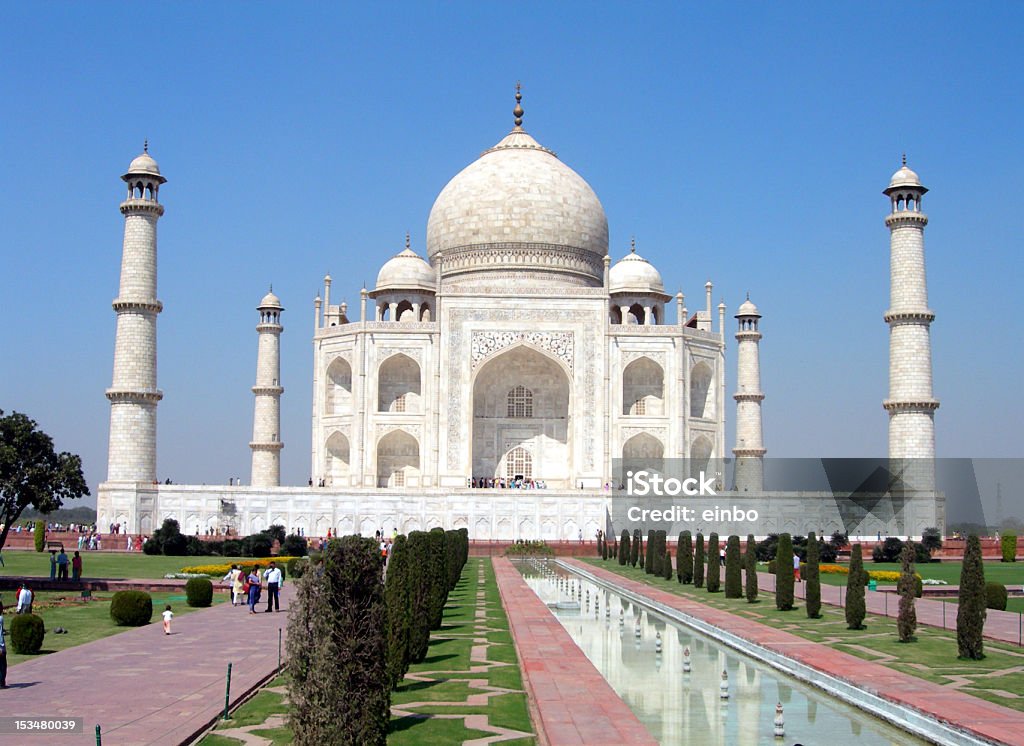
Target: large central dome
x,y
518,212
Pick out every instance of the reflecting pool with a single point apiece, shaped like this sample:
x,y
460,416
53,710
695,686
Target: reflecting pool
x,y
643,655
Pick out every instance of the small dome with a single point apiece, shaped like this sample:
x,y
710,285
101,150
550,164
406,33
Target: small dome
x,y
635,274
747,308
905,178
406,271
270,301
144,165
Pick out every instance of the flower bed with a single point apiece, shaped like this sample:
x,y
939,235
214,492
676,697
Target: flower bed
x,y
885,576
220,570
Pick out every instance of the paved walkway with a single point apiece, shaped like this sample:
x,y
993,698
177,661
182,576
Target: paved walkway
x,y
1006,626
571,702
991,721
142,687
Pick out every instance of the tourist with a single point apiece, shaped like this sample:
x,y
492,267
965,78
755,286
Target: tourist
x,y
721,556
796,567
53,564
23,600
274,582
234,579
253,583
581,536
76,567
168,615
62,565
128,546
3,650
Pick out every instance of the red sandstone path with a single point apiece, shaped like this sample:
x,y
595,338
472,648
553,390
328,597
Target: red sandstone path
x,y
144,687
1005,626
571,702
969,713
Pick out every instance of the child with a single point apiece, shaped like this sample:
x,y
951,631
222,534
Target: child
x,y
168,616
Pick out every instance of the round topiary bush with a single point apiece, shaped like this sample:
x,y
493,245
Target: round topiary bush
x,y
995,596
27,632
131,608
199,592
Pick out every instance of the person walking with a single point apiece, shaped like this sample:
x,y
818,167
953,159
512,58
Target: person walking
x,y
62,566
76,567
796,567
234,577
23,600
274,580
53,564
168,615
253,581
3,650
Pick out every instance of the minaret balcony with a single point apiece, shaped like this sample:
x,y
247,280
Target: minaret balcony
x,y
270,327
274,446
896,406
141,206
906,217
748,336
124,304
752,396
135,396
749,452
271,390
922,316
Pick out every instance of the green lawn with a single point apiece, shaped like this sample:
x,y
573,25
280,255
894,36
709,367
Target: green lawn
x,y
106,564
998,678
1007,573
446,669
85,621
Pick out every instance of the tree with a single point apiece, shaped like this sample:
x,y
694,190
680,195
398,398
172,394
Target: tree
x,y
733,569
397,599
32,474
684,558
698,562
839,540
651,556
931,539
418,545
337,649
812,577
971,609
714,575
906,622
1008,547
855,582
604,548
634,548
39,535
750,569
624,548
276,533
784,574
888,551
438,565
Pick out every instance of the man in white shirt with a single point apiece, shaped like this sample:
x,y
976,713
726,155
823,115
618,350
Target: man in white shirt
x,y
24,601
274,580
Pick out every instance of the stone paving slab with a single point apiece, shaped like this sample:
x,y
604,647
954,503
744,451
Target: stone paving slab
x,y
144,687
1000,724
571,702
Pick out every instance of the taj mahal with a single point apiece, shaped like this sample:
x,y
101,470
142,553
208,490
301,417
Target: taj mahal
x,y
493,382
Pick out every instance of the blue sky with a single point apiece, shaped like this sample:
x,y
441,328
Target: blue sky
x,y
746,143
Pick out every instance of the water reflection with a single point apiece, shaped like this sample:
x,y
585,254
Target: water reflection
x,y
680,707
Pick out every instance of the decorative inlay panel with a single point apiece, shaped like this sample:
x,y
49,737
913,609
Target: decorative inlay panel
x,y
486,343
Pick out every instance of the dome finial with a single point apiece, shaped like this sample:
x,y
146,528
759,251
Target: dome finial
x,y
904,160
632,244
407,240
518,111
145,145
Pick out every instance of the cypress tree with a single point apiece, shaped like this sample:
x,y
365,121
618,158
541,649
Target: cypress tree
x,y
652,553
906,622
698,562
438,563
604,549
634,548
750,568
397,597
971,609
600,547
418,545
812,577
685,558
714,578
624,548
855,609
340,691
784,573
733,570
667,564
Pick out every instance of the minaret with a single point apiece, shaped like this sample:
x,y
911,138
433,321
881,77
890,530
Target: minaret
x,y
911,405
749,450
266,442
133,394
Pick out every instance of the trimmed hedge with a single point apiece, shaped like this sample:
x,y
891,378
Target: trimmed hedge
x,y
698,562
971,607
995,596
750,569
39,536
733,564
199,592
131,608
624,548
27,632
856,579
1008,547
784,574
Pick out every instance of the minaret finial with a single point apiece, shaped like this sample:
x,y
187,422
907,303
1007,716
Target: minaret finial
x,y
632,244
748,295
904,160
271,287
518,111
145,145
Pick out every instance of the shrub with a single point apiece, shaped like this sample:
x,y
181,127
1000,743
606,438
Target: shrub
x,y
918,586
660,552
733,569
1008,545
257,545
396,598
39,535
151,546
784,574
827,552
337,649
698,562
604,548
296,566
176,546
766,549
634,548
888,551
438,563
199,592
855,582
196,547
651,555
839,540
276,533
812,577
970,614
232,548
624,548
418,546
530,548
750,568
921,552
294,546
931,540
906,622
27,632
995,596
131,608
713,577
684,558
772,566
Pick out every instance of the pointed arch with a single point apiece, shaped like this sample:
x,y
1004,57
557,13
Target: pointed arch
x,y
702,392
643,388
338,394
398,384
700,454
398,460
336,463
404,312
